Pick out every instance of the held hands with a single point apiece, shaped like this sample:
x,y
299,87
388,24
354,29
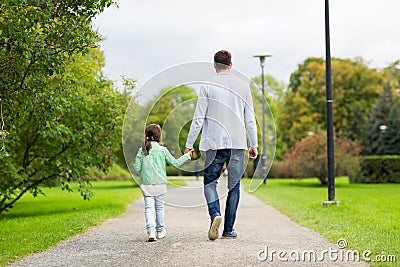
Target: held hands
x,y
253,153
189,151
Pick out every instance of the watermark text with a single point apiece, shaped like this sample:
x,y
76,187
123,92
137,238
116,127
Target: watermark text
x,y
338,254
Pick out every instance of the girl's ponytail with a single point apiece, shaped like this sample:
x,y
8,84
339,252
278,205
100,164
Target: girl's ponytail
x,y
152,133
146,146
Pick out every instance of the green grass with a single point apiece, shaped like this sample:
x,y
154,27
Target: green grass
x,y
34,225
368,216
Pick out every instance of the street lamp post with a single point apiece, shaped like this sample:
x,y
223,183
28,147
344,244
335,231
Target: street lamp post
x,y
263,153
329,115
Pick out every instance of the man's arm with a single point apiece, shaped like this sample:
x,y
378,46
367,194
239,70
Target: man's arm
x,y
251,125
198,118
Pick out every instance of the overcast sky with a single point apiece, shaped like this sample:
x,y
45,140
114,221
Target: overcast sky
x,y
144,37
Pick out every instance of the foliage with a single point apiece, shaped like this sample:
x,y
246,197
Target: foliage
x,y
37,37
373,143
392,72
33,226
116,172
125,97
297,76
172,108
274,94
355,89
133,131
391,137
60,114
277,170
172,171
378,169
298,118
55,133
308,158
273,88
367,217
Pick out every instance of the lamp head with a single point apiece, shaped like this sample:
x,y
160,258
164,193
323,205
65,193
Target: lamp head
x,y
262,58
383,127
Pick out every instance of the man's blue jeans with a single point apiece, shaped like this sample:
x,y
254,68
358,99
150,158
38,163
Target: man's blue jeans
x,y
214,163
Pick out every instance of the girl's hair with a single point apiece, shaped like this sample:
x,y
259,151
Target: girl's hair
x,y
152,133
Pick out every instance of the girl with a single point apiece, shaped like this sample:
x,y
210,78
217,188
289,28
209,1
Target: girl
x,y
150,163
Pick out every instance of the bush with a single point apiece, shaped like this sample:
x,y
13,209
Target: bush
x,y
277,170
308,158
172,171
116,173
378,169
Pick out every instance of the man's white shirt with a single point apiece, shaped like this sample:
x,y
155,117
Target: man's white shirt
x,y
223,112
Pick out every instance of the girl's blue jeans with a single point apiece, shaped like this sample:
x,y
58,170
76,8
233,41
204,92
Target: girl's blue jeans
x,y
154,213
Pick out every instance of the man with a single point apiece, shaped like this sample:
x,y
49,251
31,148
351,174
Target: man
x,y
224,110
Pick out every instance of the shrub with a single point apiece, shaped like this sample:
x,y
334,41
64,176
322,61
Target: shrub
x,y
115,173
308,158
378,169
172,171
277,170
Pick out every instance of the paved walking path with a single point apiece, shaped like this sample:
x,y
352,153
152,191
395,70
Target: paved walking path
x,y
122,241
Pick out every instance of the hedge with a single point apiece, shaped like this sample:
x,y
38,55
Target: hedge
x,y
172,171
378,169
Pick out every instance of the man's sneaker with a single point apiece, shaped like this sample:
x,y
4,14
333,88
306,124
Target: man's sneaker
x,y
232,234
161,234
152,236
213,233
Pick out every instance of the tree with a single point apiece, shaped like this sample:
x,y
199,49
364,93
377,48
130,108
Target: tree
x,y
37,37
372,142
275,92
302,71
297,119
273,88
55,134
60,114
173,110
391,137
355,89
125,98
392,72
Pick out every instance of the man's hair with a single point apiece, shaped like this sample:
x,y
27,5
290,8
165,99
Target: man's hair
x,y
223,59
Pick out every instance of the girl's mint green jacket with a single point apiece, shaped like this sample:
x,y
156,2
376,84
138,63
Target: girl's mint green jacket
x,y
152,167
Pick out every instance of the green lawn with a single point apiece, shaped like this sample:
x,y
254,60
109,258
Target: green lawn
x,y
368,216
34,225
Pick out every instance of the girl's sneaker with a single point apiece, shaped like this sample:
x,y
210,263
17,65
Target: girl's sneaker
x,y
161,234
152,236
